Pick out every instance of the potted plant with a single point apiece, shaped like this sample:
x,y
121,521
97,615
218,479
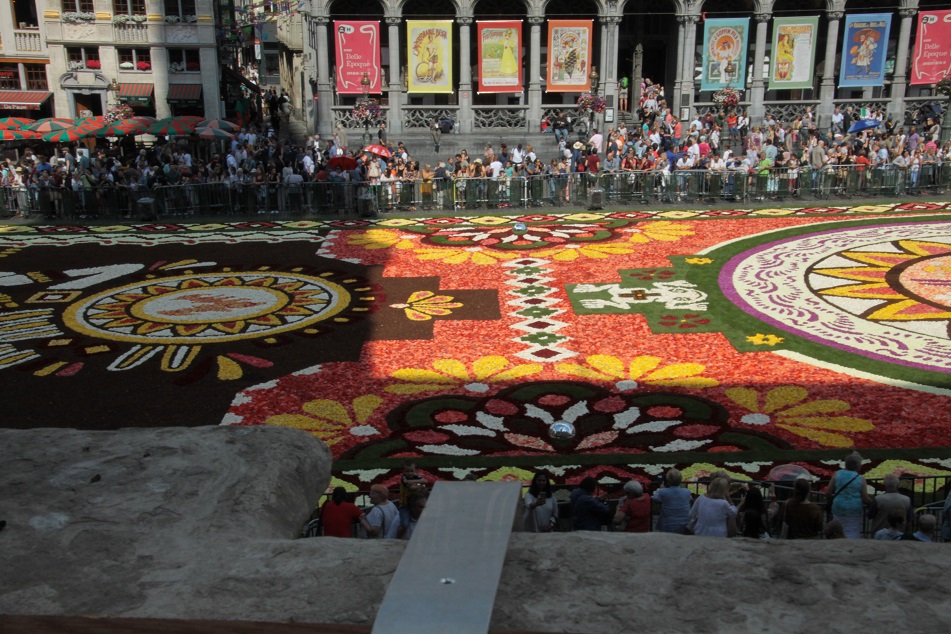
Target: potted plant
x,y
118,113
176,67
143,66
127,66
727,98
193,67
75,65
190,18
75,16
172,19
93,64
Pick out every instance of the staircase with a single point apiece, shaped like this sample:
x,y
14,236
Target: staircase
x,y
419,144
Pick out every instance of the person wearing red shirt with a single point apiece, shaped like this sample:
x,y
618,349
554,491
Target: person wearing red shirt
x,y
592,163
338,514
634,512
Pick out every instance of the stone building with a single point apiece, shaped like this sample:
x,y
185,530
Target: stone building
x,y
658,40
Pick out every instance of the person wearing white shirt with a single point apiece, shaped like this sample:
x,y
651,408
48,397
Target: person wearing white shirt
x,y
518,155
597,140
308,162
693,151
495,169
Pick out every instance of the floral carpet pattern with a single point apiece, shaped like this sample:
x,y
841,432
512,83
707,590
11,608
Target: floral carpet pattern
x,y
716,339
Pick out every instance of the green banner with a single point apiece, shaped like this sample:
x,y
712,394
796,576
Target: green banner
x,y
792,61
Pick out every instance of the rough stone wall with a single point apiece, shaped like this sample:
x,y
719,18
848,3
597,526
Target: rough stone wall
x,y
198,523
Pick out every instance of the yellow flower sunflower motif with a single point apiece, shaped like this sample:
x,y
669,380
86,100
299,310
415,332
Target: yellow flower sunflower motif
x,y
449,373
660,231
331,421
594,251
646,369
698,261
424,305
815,420
508,474
456,255
380,239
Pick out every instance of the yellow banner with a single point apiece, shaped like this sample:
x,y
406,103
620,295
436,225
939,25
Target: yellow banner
x,y
429,51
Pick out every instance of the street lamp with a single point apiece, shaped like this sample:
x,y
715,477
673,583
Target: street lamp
x,y
365,85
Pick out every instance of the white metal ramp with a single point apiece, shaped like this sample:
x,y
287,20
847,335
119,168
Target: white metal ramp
x,y
448,576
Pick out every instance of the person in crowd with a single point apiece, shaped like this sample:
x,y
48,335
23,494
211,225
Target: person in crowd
x,y
674,501
926,528
338,514
848,496
833,530
633,513
713,514
414,507
588,513
801,517
895,528
541,508
751,515
382,520
885,503
410,482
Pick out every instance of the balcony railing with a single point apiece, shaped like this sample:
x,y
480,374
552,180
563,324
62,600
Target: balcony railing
x,y
28,40
130,32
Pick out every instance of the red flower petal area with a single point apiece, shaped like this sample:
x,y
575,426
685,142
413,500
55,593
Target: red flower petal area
x,y
902,418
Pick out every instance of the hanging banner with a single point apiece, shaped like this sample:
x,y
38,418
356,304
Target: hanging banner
x,y
864,50
500,55
569,55
358,52
429,53
794,53
724,53
932,51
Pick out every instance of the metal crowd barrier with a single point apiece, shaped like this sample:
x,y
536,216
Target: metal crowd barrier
x,y
348,199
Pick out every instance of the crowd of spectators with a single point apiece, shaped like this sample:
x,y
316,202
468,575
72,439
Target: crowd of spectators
x,y
724,508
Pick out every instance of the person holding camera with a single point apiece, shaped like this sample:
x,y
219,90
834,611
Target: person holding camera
x,y
541,509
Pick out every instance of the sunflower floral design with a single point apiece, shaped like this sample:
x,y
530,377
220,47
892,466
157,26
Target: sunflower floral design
x,y
660,231
331,421
645,369
474,255
424,305
381,239
449,373
786,408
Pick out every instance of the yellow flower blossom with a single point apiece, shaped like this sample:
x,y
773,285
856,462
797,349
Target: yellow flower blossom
x,y
784,406
602,367
698,261
661,231
759,339
449,373
457,255
424,305
330,421
380,239
509,474
573,251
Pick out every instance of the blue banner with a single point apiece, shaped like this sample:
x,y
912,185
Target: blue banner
x,y
724,53
864,50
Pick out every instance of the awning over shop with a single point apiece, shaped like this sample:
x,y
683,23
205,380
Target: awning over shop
x,y
23,99
136,93
184,94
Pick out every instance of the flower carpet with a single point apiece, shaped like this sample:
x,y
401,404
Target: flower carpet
x,y
718,339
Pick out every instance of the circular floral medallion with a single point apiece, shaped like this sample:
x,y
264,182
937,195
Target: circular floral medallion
x,y
207,308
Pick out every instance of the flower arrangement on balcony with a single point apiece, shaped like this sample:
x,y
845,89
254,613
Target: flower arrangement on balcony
x,y
74,16
727,97
193,66
143,66
943,87
190,19
93,64
127,66
588,102
366,111
118,113
176,67
129,19
76,65
172,19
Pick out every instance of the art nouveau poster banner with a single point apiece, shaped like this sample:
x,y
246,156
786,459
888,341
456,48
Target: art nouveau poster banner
x,y
429,51
357,52
500,55
724,53
794,53
931,55
864,49
569,55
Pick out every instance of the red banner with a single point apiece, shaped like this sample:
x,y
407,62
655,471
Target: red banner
x,y
932,51
500,56
358,52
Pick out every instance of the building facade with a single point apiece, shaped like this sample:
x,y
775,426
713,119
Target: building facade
x,y
660,40
159,56
24,88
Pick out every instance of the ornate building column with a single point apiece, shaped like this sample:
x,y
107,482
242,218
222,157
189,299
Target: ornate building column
x,y
679,78
688,70
394,118
758,87
827,89
535,69
609,70
896,107
325,90
465,117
